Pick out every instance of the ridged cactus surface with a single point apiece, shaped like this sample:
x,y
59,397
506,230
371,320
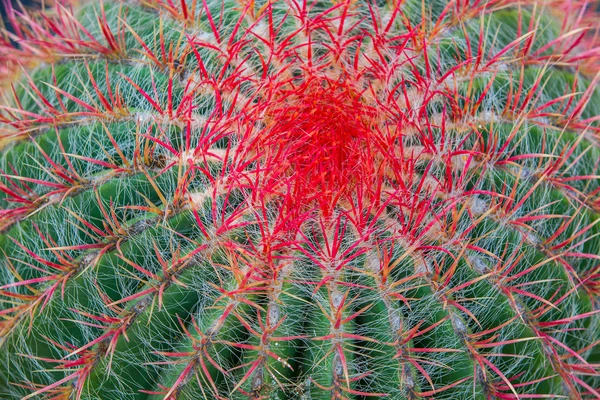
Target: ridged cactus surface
x,y
294,199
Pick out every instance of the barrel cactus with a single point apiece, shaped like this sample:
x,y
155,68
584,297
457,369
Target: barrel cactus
x,y
291,199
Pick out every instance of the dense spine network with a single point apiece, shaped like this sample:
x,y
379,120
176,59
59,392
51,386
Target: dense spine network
x,y
288,199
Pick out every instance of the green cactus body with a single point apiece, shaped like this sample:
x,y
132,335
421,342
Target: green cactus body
x,y
226,199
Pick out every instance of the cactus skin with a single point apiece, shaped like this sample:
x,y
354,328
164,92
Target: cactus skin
x,y
301,200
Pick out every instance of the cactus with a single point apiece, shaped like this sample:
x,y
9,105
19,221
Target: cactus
x,y
286,199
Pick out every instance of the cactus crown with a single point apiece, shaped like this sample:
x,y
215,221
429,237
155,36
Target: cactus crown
x,y
289,199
